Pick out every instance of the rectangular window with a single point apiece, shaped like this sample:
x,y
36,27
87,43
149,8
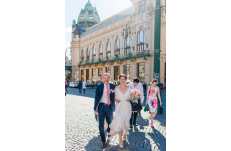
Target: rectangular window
x,y
141,71
87,75
108,70
100,72
116,72
90,14
82,15
143,6
82,75
127,71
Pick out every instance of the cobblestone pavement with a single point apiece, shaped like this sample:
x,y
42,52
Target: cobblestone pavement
x,y
82,134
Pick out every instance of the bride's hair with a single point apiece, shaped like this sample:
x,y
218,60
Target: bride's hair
x,y
123,75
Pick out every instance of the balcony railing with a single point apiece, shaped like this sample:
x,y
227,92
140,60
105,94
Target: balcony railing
x,y
117,57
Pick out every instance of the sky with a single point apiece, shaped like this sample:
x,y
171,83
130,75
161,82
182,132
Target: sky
x,y
106,9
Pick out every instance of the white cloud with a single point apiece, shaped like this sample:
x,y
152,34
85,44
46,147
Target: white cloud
x,y
67,44
67,30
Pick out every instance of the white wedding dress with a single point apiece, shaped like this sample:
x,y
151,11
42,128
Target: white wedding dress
x,y
120,122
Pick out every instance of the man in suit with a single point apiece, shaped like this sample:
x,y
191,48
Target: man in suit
x,y
104,105
80,86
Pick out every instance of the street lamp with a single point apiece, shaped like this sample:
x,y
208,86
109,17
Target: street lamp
x,y
157,28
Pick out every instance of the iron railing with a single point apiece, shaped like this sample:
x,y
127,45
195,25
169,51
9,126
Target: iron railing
x,y
116,57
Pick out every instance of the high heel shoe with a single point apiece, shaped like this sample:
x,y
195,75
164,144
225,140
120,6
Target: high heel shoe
x,y
152,126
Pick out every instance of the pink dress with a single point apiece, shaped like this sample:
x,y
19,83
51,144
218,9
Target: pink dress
x,y
152,100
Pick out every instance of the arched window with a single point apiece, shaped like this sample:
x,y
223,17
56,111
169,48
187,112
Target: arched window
x,y
82,56
108,49
141,40
127,48
88,54
117,47
101,51
93,53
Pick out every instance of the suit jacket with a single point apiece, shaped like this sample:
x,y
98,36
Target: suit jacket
x,y
99,94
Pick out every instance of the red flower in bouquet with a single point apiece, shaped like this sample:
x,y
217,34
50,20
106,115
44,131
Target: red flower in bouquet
x,y
135,95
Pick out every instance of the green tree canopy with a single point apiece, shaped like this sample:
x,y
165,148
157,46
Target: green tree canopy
x,y
68,76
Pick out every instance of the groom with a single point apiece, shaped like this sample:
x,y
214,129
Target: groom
x,y
104,105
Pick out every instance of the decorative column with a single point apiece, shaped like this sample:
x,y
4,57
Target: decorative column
x,y
112,47
122,46
85,54
90,74
97,50
91,53
112,73
104,47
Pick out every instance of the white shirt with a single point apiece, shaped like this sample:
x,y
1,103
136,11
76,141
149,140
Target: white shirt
x,y
104,96
138,87
84,85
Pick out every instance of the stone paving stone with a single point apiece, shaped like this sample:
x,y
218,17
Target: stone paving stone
x,y
81,128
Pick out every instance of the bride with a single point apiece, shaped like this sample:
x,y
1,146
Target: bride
x,y
120,123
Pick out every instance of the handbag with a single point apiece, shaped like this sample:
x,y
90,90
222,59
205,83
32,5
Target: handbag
x,y
146,108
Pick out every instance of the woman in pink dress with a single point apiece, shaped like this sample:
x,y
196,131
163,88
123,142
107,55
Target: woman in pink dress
x,y
153,90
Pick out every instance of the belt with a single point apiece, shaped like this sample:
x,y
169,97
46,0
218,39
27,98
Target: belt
x,y
104,104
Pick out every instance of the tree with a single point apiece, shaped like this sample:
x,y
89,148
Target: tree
x,y
68,76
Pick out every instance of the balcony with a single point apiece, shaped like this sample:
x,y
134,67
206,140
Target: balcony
x,y
82,59
117,57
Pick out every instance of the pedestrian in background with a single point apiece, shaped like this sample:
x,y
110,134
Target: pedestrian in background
x,y
84,86
145,89
80,86
66,85
135,84
115,83
152,101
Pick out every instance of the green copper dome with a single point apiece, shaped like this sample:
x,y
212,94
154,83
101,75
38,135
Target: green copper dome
x,y
88,16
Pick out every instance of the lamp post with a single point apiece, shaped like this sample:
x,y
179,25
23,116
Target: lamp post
x,y
157,28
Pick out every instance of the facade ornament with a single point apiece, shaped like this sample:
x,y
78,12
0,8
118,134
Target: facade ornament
x,y
132,59
101,64
119,62
76,31
109,63
140,26
145,58
149,8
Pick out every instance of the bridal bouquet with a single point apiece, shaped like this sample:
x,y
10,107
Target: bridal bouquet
x,y
135,96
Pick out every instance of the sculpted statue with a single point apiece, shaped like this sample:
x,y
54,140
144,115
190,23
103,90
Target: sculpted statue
x,y
76,31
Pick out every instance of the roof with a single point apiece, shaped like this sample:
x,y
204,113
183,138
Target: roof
x,y
125,13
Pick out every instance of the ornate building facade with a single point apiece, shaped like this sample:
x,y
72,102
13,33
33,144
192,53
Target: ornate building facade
x,y
123,43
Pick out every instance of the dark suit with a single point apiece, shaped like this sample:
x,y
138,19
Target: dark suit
x,y
80,87
104,110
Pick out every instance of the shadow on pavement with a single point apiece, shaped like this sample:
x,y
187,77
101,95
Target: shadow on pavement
x,y
159,140
75,91
140,143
